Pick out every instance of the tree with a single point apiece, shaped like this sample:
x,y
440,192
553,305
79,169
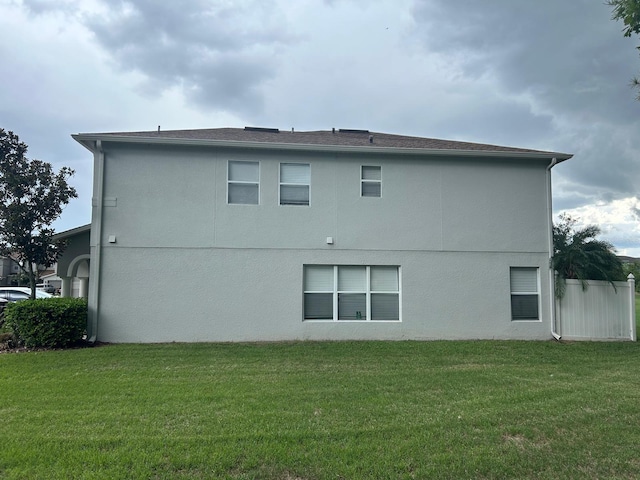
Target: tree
x,y
629,12
32,196
577,254
632,267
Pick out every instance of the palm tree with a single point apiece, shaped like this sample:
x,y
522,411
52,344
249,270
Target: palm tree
x,y
579,255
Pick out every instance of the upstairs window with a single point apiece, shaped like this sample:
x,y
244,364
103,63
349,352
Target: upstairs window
x,y
243,183
351,293
295,181
524,293
370,181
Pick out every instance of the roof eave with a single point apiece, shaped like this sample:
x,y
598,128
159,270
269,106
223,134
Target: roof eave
x,y
89,140
71,232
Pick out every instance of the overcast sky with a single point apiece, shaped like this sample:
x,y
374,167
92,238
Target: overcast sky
x,y
543,74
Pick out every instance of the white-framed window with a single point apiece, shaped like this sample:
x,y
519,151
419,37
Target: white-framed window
x,y
295,183
525,297
370,181
243,183
352,293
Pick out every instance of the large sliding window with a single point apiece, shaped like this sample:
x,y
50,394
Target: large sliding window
x,y
295,183
243,183
524,293
351,292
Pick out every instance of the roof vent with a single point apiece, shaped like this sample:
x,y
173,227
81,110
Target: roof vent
x,y
370,138
261,129
349,130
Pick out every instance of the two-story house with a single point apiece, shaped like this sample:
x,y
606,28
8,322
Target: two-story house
x,y
9,269
258,234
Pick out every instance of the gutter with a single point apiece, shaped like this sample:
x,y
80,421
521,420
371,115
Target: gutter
x,y
96,242
552,275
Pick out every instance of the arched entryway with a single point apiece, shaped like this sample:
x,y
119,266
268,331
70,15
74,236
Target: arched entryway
x,y
74,263
78,270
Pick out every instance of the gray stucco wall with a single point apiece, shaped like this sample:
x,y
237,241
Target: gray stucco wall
x,y
77,245
187,266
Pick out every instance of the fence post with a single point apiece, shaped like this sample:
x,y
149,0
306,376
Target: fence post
x,y
632,301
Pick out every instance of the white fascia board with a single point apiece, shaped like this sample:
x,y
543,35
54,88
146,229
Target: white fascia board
x,y
88,141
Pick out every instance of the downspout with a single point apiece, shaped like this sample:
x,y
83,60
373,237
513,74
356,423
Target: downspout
x,y
96,243
552,276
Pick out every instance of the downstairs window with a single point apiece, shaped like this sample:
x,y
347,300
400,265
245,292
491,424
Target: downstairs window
x,y
524,293
351,293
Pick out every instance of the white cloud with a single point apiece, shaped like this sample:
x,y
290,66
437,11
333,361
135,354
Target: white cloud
x,y
618,220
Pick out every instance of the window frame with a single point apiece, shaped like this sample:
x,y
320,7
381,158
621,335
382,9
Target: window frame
x,y
364,181
367,291
242,182
525,293
294,184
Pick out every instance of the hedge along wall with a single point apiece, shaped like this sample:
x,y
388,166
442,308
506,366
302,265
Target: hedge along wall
x,y
48,322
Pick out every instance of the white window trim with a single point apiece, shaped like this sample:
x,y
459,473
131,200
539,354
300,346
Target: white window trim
x,y
368,293
363,181
281,183
242,182
537,293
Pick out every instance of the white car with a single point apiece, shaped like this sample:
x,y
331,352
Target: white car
x,y
13,294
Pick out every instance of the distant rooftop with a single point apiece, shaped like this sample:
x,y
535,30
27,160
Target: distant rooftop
x,y
345,138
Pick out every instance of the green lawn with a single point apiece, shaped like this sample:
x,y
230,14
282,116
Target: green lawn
x,y
541,410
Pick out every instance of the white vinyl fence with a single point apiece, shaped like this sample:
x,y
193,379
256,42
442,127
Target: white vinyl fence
x,y
598,313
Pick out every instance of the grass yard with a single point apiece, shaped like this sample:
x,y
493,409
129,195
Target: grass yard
x,y
349,410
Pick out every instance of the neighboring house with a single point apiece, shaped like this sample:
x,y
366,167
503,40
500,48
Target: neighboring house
x,y
9,269
258,235
12,275
72,268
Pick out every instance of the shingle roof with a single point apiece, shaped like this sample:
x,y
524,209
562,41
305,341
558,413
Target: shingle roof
x,y
326,138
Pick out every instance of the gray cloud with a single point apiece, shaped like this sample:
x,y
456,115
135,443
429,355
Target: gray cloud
x,y
574,64
219,53
545,47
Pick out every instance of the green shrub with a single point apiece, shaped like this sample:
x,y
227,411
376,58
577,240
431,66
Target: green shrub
x,y
48,322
